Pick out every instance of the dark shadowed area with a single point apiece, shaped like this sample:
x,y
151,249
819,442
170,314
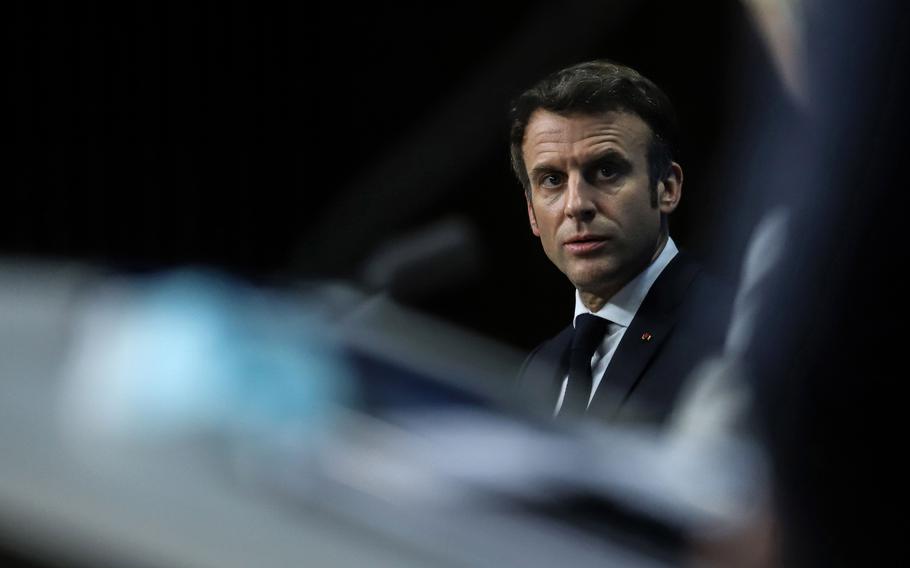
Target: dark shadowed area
x,y
281,143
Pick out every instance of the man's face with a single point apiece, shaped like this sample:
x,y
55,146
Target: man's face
x,y
590,200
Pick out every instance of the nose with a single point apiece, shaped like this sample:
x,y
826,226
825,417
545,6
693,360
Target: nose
x,y
579,203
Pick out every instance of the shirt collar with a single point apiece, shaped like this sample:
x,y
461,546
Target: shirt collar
x,y
621,308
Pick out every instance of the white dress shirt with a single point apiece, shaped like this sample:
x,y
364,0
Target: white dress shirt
x,y
619,311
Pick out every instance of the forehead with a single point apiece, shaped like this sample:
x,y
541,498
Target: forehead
x,y
555,136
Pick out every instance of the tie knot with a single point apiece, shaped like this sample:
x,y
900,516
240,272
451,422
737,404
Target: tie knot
x,y
589,331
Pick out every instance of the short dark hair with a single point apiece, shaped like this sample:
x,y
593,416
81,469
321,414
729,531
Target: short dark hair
x,y
596,87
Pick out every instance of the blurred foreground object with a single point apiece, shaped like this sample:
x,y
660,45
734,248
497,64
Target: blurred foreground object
x,y
194,354
186,419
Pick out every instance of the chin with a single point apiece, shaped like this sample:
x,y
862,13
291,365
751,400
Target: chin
x,y
591,280
605,274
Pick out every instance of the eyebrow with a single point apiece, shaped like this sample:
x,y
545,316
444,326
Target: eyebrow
x,y
542,169
609,155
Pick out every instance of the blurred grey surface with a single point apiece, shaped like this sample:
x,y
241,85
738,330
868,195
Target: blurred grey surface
x,y
97,470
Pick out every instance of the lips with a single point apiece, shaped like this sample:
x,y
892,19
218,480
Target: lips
x,y
583,244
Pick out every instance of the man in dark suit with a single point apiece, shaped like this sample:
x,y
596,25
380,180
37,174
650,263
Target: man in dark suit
x,y
592,145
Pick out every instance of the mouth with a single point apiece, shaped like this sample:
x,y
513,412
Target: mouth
x,y
584,244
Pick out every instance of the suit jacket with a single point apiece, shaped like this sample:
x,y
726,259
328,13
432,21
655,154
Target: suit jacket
x,y
682,320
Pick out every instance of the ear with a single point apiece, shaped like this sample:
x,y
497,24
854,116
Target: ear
x,y
669,190
532,218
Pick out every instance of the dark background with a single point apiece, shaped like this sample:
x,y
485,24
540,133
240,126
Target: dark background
x,y
283,142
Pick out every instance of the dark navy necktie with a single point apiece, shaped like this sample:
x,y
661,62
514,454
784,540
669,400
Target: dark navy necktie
x,y
589,333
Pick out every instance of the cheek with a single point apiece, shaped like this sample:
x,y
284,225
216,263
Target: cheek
x,y
547,239
546,221
640,211
547,233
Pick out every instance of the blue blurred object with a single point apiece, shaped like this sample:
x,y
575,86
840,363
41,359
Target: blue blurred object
x,y
197,352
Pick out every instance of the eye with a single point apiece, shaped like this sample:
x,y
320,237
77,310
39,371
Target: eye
x,y
611,169
607,172
550,180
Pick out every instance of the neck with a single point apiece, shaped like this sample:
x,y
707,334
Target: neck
x,y
593,302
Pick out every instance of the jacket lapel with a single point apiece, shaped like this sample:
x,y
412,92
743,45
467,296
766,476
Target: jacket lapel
x,y
544,369
650,327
